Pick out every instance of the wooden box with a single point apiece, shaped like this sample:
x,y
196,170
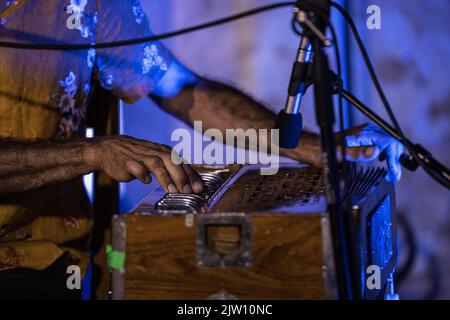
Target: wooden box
x,y
256,237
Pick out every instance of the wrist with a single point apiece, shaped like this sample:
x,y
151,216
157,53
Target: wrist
x,y
308,151
90,153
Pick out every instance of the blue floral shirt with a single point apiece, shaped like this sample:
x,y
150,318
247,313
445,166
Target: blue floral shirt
x,y
62,81
44,95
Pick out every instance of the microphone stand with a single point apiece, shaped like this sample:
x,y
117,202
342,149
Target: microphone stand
x,y
313,16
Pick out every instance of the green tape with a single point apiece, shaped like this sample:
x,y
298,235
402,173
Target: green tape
x,y
116,259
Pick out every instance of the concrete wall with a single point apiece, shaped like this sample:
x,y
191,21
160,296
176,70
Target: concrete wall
x,y
409,53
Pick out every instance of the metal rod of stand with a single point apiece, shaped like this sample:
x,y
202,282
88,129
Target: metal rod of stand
x,y
325,118
370,114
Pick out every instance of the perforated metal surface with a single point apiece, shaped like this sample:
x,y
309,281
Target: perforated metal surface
x,y
289,187
250,192
301,186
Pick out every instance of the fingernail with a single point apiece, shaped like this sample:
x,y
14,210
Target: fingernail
x,y
198,186
187,189
148,179
368,152
172,188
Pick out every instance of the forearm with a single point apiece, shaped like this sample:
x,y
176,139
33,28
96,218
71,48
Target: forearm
x,y
26,165
223,107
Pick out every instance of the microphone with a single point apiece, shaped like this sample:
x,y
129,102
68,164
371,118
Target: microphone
x,y
290,121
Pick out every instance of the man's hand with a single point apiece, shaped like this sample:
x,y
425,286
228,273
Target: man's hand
x,y
363,143
192,98
366,143
125,158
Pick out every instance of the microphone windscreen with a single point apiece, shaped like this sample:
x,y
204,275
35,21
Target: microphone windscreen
x,y
290,129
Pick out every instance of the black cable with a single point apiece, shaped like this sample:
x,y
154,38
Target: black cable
x,y
344,172
339,86
65,47
367,61
383,98
340,101
345,242
380,91
295,26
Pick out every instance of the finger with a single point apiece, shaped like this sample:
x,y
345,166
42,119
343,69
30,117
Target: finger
x,y
367,136
172,163
136,169
393,154
366,153
361,140
178,175
156,166
187,179
194,178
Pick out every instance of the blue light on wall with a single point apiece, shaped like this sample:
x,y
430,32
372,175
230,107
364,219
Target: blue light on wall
x,y
254,54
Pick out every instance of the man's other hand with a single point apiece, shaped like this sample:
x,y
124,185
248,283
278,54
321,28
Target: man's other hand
x,y
125,158
366,142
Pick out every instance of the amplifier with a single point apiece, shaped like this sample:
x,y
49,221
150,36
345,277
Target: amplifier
x,y
253,236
